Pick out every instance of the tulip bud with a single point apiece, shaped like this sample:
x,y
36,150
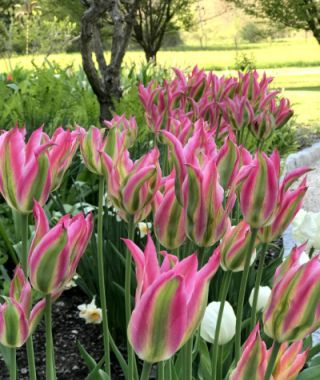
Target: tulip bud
x,y
293,309
254,358
259,190
290,361
262,126
169,218
65,144
209,322
263,296
228,161
234,247
55,252
24,169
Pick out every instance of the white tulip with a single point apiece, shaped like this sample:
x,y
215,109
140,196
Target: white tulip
x,y
209,322
306,227
263,296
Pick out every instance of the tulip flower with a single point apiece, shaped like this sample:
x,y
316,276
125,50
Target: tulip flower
x,y
24,169
290,361
65,144
132,185
55,253
305,227
281,112
94,141
263,297
234,247
169,217
209,322
293,309
228,163
127,127
259,189
238,112
17,320
254,358
262,126
170,301
289,203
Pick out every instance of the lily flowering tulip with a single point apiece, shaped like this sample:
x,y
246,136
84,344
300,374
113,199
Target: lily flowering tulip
x,y
293,309
228,163
132,186
254,358
65,145
259,189
238,112
17,320
169,217
289,203
126,127
94,141
290,361
24,169
170,301
55,253
234,247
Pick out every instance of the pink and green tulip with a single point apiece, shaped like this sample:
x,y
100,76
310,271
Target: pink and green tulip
x,y
259,189
238,112
293,309
126,127
65,145
254,358
289,203
24,169
170,301
94,141
132,186
55,252
228,163
290,361
169,217
234,247
17,320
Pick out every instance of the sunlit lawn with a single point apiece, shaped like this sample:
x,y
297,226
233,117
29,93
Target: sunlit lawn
x,y
295,64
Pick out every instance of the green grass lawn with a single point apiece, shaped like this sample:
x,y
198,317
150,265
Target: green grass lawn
x,y
295,64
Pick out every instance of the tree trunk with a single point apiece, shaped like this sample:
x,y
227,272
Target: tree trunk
x,y
151,56
105,79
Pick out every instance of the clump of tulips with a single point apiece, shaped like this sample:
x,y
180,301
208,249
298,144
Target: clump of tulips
x,y
215,205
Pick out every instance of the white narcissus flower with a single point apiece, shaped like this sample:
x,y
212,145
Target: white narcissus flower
x,y
306,226
263,296
209,322
90,312
144,228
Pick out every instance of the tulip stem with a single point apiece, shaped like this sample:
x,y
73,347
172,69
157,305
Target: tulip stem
x,y
50,368
161,371
24,228
272,360
13,364
188,359
224,291
131,358
145,375
242,292
102,288
257,285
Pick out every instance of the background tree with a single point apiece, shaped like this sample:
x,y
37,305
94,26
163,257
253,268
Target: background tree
x,y
105,78
25,12
298,14
155,18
